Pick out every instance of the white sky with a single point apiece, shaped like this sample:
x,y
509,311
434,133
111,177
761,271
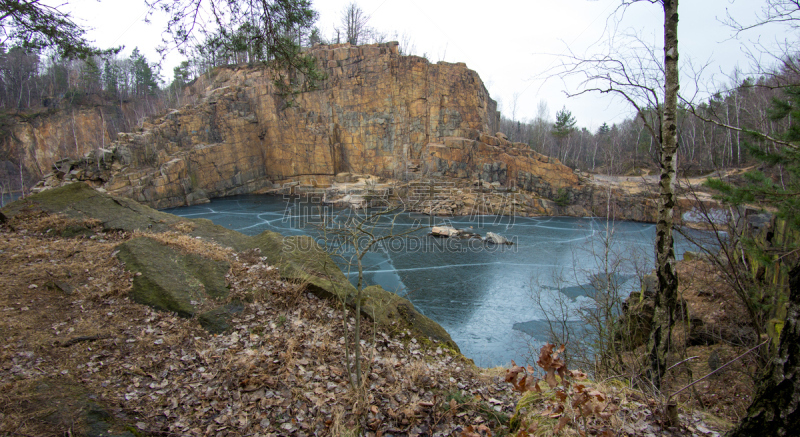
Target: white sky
x,y
511,44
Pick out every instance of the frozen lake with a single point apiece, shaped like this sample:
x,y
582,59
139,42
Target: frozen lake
x,y
482,294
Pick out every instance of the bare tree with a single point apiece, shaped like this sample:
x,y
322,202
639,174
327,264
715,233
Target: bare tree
x,y
666,300
407,46
649,82
350,236
354,24
514,133
773,11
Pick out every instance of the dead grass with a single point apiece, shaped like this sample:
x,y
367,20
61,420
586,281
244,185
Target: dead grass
x,y
279,370
187,244
184,227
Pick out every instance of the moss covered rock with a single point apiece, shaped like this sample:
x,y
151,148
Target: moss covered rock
x,y
171,280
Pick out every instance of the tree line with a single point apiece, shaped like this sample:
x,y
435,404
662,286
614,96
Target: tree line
x,y
706,141
31,79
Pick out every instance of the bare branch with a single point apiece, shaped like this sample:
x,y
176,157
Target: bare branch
x,y
756,133
775,11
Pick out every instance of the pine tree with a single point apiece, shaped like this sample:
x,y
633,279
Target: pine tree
x,y
144,80
776,405
565,123
91,76
111,79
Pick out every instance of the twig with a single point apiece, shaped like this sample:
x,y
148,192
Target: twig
x,y
720,368
77,340
679,363
613,377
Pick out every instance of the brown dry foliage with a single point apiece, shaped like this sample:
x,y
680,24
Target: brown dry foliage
x,y
67,324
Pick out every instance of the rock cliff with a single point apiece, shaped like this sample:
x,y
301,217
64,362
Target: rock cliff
x,y
377,112
72,130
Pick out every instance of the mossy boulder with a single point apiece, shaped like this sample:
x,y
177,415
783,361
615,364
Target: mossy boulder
x,y
63,403
393,309
171,280
301,259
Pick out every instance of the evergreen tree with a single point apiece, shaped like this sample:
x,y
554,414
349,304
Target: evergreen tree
x,y
91,76
144,80
562,131
565,123
111,79
181,75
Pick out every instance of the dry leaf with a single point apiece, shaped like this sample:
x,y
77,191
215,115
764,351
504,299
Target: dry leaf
x,y
562,422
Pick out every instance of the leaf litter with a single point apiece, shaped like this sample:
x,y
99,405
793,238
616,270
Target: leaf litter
x,y
279,370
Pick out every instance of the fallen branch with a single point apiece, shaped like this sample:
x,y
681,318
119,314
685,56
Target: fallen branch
x,y
720,368
76,340
679,363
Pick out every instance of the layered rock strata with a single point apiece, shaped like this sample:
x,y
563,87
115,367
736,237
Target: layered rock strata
x,y
378,113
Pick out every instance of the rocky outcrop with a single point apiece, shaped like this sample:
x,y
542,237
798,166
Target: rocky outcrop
x,y
170,280
445,231
379,113
493,238
42,137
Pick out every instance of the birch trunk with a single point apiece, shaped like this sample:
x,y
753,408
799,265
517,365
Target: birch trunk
x,y
667,294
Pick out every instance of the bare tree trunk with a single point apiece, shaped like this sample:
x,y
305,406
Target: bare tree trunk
x,y
667,295
21,180
74,135
775,410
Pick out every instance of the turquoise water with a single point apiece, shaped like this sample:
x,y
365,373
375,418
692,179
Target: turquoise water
x,y
482,294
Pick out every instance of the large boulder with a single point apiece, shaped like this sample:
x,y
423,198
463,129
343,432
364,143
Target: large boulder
x,y
169,280
298,258
445,231
491,237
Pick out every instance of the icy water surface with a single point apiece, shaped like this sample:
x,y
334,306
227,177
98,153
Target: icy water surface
x,y
482,294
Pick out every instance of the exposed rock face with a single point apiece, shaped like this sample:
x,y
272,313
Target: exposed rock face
x,y
378,113
44,138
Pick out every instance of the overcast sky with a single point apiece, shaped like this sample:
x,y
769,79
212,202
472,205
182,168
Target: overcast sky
x,y
511,44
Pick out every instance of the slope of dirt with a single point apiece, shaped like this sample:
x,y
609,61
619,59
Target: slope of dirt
x,y
76,347
80,358
718,334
